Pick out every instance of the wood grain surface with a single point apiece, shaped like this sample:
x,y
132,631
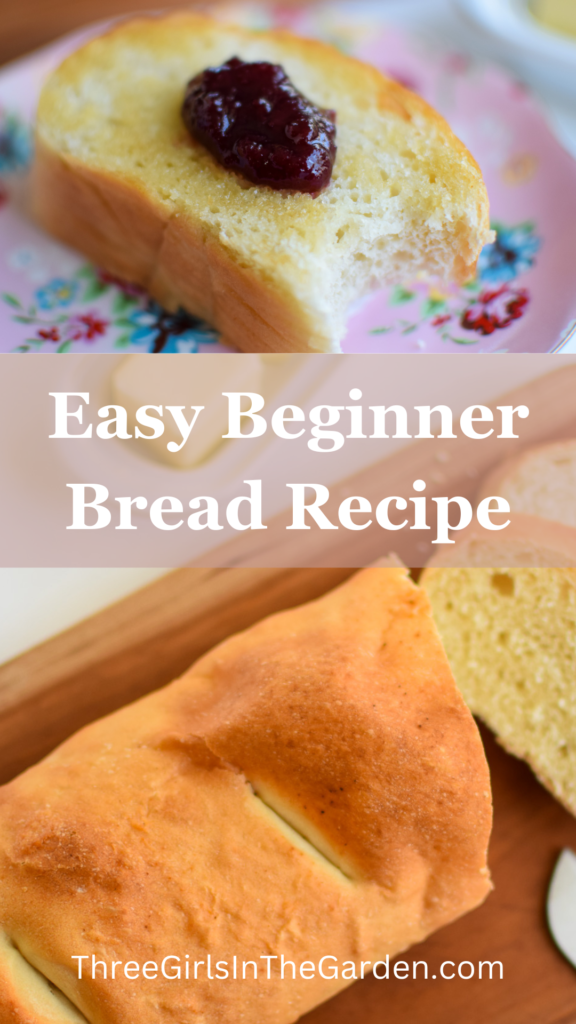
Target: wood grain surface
x,y
146,639
133,647
27,24
539,986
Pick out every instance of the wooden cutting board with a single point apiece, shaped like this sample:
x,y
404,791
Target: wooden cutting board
x,y
145,640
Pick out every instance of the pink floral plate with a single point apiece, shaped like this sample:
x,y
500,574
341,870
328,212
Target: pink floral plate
x,y
524,296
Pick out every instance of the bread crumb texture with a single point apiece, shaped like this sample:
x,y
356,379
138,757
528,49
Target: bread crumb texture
x,y
118,176
510,636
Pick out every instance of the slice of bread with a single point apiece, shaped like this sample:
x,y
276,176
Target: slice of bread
x,y
529,541
541,482
510,636
118,177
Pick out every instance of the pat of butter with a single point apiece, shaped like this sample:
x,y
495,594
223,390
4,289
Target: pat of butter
x,y
561,905
559,15
187,381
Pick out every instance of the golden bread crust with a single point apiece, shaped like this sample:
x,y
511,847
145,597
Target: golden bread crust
x,y
167,827
177,262
118,177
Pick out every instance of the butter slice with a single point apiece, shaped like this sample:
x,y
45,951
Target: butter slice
x,y
187,381
559,15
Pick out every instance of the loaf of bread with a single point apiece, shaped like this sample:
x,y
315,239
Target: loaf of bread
x,y
312,787
540,482
118,176
510,636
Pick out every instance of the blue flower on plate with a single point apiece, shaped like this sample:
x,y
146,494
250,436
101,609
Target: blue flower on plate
x,y
15,143
59,291
513,252
156,330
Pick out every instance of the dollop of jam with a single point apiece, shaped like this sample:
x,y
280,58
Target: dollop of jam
x,y
254,121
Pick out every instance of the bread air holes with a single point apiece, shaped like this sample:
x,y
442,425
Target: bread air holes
x,y
394,191
503,583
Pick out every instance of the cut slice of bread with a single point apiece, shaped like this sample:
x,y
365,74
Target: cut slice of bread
x,y
118,177
510,637
541,482
529,541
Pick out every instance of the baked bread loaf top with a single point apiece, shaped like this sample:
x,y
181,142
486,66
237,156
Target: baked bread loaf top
x,y
118,176
314,786
510,636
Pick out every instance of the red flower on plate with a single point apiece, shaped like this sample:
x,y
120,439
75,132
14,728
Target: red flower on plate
x,y
49,334
440,320
85,327
493,310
